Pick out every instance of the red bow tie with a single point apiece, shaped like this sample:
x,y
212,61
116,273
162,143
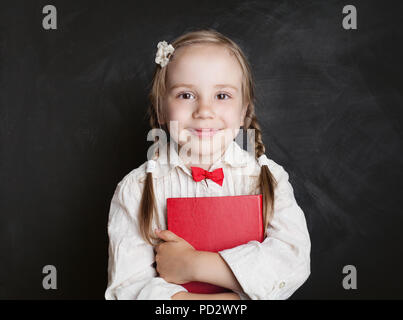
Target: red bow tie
x,y
216,175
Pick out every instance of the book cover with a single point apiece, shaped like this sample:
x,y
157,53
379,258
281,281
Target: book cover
x,y
214,224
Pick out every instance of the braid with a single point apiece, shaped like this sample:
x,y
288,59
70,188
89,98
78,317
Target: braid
x,y
259,146
267,181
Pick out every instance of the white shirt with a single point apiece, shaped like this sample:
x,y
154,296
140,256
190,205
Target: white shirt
x,y
273,269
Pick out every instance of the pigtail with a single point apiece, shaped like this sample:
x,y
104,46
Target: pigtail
x,y
267,182
147,211
148,207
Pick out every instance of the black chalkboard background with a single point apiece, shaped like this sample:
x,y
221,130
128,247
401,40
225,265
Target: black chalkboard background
x,y
73,123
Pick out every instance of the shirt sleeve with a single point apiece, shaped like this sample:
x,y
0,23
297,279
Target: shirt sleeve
x,y
131,275
277,267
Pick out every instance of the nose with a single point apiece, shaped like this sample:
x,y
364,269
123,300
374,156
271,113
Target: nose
x,y
204,110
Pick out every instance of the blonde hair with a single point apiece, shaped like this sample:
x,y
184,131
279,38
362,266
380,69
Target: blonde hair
x,y
157,116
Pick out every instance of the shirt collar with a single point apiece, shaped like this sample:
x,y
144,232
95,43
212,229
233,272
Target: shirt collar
x,y
234,156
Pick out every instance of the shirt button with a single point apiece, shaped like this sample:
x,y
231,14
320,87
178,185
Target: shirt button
x,y
281,285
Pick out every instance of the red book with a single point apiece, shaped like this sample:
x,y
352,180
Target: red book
x,y
214,224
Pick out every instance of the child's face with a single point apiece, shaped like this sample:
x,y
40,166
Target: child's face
x,y
204,91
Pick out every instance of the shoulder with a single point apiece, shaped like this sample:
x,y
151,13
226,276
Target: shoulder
x,y
253,168
278,171
133,181
280,175
283,192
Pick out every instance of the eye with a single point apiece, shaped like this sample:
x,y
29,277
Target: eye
x,y
222,95
186,94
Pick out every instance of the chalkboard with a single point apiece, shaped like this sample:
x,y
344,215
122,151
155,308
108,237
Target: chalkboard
x,y
73,123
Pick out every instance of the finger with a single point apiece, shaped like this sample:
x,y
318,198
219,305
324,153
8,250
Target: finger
x,y
168,235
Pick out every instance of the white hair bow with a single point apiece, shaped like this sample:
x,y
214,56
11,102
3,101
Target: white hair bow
x,y
151,164
263,160
164,49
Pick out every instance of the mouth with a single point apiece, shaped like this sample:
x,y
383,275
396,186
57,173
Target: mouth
x,y
204,132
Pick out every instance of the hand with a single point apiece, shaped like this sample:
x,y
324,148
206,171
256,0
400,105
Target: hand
x,y
173,257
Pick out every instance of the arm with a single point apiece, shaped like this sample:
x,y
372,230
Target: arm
x,y
275,268
210,267
131,274
177,260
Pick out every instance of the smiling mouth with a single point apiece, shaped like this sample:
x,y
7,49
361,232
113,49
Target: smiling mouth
x,y
204,132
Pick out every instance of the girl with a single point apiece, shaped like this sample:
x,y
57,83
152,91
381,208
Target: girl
x,y
202,89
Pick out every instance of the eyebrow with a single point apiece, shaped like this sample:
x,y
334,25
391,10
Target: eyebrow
x,y
179,85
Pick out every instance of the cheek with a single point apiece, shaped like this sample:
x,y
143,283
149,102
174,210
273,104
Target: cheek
x,y
178,116
232,119
178,112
